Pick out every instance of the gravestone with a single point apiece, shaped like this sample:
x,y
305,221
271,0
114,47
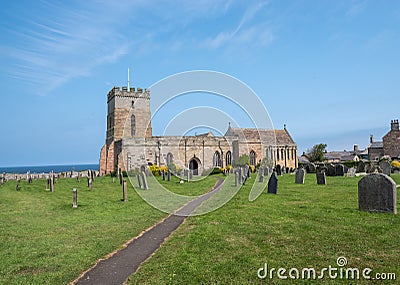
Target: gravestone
x,y
163,174
90,182
240,175
273,184
278,170
120,178
247,171
139,180
300,175
260,175
377,193
266,171
361,167
386,167
48,183
331,170
311,168
74,198
287,170
237,179
321,178
52,182
191,174
169,175
368,168
339,170
351,172
181,177
187,175
144,180
124,191
18,187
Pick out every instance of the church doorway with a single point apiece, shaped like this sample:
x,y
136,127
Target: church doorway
x,y
194,166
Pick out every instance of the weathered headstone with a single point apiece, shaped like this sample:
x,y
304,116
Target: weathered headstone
x,y
300,175
169,175
321,178
331,170
237,179
124,191
74,198
351,172
52,182
144,180
90,184
311,168
260,175
163,174
278,169
339,170
239,170
377,193
120,178
266,171
386,167
191,174
187,175
273,184
47,183
139,178
361,167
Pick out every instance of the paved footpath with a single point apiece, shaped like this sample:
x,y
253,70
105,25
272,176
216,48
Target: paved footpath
x,y
117,268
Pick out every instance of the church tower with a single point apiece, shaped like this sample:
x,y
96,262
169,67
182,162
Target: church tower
x,y
128,116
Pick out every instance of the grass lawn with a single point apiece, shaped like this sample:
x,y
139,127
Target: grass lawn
x,y
303,226
43,240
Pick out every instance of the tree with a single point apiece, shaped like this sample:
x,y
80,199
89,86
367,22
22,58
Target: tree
x,y
316,153
242,161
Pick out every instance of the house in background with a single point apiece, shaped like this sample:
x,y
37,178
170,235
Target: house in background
x,y
390,144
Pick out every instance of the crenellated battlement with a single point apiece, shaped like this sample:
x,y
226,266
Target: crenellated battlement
x,y
132,93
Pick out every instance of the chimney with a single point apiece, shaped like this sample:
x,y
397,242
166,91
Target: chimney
x,y
395,125
371,138
355,148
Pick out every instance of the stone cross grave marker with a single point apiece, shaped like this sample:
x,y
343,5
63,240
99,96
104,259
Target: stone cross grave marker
x,y
321,178
300,175
386,167
273,184
377,193
74,198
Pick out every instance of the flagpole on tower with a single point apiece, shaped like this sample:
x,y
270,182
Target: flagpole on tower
x,y
128,81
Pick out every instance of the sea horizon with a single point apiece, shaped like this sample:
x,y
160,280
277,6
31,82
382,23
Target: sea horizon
x,y
48,168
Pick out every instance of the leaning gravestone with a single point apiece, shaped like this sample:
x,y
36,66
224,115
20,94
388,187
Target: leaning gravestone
x,y
273,184
139,180
339,170
386,167
377,193
300,175
278,169
321,178
144,180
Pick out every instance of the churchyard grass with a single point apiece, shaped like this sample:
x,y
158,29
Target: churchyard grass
x,y
45,241
304,226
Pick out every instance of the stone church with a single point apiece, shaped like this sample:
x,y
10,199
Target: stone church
x,y
130,143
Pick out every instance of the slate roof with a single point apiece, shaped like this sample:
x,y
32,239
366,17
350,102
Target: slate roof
x,y
280,137
376,145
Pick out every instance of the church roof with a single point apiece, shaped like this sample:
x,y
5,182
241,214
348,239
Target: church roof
x,y
280,137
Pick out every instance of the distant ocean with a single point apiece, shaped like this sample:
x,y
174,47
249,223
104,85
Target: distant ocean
x,y
49,168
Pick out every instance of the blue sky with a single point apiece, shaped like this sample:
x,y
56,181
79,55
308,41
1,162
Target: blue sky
x,y
330,70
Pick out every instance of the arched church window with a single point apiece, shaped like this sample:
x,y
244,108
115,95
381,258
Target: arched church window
x,y
252,158
217,159
170,158
228,158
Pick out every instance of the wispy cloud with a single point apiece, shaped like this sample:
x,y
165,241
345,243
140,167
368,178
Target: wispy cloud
x,y
241,34
65,43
